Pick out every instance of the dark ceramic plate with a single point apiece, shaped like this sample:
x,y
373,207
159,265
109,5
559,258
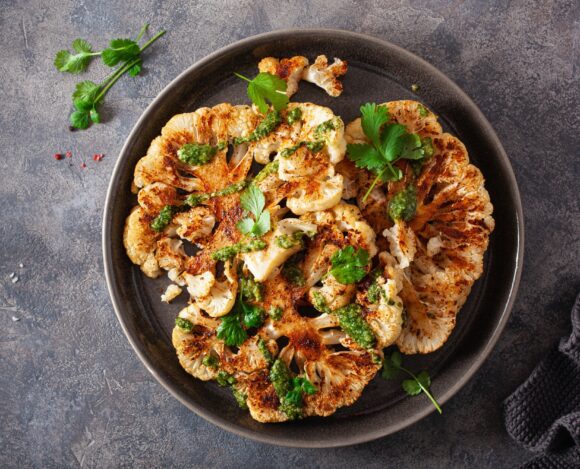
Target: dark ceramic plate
x,y
378,72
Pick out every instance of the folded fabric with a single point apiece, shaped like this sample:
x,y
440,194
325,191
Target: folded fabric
x,y
543,414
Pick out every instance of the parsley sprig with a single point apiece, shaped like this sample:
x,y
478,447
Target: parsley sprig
x,y
253,200
348,265
88,95
231,329
266,86
420,382
389,144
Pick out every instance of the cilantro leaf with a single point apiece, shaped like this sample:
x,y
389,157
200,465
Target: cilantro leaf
x,y
389,144
266,86
80,119
253,200
245,225
252,315
373,117
135,70
411,387
120,50
348,265
75,63
86,90
231,331
393,364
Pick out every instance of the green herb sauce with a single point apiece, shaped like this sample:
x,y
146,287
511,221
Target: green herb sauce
x,y
293,274
225,379
352,322
228,252
267,125
325,127
211,361
184,324
270,168
196,154
193,200
294,115
275,312
314,147
250,289
319,303
404,204
164,218
240,397
265,351
280,378
289,241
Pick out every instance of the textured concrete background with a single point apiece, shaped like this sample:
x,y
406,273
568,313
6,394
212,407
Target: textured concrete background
x,y
73,393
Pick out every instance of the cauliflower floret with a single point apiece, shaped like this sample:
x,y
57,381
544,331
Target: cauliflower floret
x,y
192,346
195,224
290,70
222,294
402,242
263,263
140,242
171,292
316,195
199,286
170,254
335,294
326,76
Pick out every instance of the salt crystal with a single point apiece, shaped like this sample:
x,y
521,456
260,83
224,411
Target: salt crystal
x,y
15,319
15,279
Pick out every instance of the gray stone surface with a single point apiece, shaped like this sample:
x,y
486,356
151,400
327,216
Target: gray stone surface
x,y
73,393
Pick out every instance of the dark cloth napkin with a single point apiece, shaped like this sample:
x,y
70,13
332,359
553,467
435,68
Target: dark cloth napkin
x,y
543,414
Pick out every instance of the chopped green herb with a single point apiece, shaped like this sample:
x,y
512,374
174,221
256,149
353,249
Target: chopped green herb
x,y
268,124
348,265
266,86
240,397
422,110
375,292
228,252
280,377
352,322
225,379
193,200
196,153
295,115
421,382
164,218
210,360
184,324
275,312
404,204
265,351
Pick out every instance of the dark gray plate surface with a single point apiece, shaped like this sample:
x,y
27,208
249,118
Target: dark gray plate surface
x,y
378,72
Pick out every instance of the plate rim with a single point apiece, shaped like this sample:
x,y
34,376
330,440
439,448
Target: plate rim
x,y
345,440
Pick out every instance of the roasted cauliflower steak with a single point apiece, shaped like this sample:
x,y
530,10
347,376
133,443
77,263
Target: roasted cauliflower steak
x,y
270,314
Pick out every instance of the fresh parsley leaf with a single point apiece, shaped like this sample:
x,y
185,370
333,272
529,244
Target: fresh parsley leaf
x,y
86,90
252,315
393,364
348,265
411,387
266,86
389,143
75,63
120,50
373,117
230,329
253,200
80,119
89,95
